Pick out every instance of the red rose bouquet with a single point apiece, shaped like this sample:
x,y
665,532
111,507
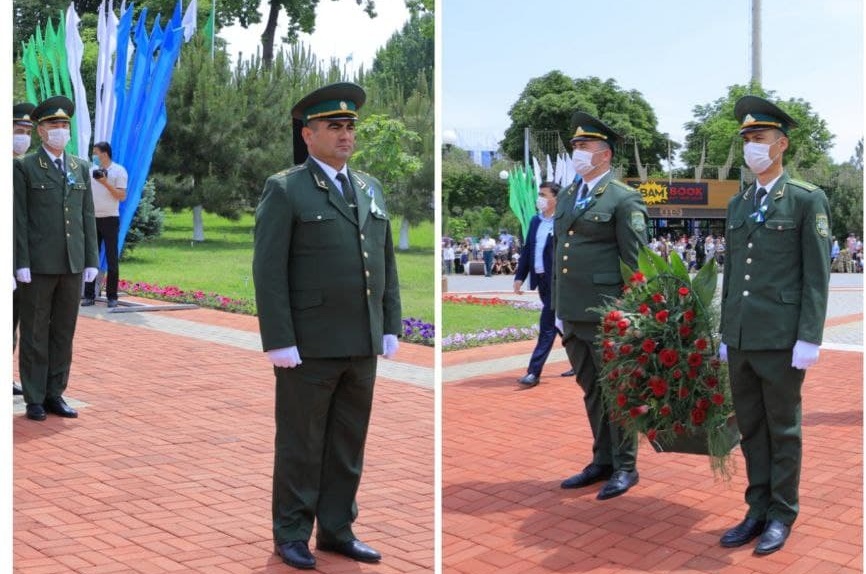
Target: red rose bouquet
x,y
661,375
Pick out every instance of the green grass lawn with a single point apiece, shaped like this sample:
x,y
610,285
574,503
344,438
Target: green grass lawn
x,y
463,318
222,263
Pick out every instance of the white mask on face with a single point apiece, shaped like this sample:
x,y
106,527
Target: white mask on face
x,y
20,143
757,156
582,161
541,203
58,138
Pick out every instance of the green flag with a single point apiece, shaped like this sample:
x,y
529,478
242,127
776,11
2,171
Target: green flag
x,y
208,29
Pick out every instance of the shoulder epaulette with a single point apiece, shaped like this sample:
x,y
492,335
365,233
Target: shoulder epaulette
x,y
293,169
804,184
623,185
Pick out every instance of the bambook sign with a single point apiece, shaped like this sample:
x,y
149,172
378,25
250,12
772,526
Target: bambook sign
x,y
674,193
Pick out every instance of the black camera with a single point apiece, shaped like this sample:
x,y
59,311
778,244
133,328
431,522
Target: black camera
x,y
99,173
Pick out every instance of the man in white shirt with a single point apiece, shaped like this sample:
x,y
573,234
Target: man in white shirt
x,y
108,180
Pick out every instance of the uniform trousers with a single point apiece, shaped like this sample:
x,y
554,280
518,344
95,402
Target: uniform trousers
x,y
768,402
322,414
611,445
48,314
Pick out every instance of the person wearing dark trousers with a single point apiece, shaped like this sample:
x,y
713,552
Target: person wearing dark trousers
x,y
108,180
536,262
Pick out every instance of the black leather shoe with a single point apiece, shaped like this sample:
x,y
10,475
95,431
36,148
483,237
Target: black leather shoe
x,y
590,475
528,380
59,407
354,549
297,554
618,484
87,302
773,538
742,533
568,373
112,303
36,412
16,389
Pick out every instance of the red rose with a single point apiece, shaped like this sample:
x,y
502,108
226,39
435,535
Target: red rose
x,y
635,412
662,316
626,289
711,382
625,349
703,404
678,374
679,428
623,324
637,277
621,400
648,345
658,298
643,358
698,417
685,331
718,399
659,386
614,316
607,328
692,374
665,410
683,392
669,357
695,360
684,291
689,315
607,344
644,309
608,355
700,344
651,434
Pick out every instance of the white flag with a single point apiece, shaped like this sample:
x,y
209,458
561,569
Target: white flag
x,y
189,20
74,54
537,169
549,175
106,35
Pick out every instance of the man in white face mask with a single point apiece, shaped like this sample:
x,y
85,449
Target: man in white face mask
x,y
54,229
598,222
22,125
774,301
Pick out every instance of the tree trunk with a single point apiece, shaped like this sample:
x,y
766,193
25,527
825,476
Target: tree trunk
x,y
269,33
403,244
197,223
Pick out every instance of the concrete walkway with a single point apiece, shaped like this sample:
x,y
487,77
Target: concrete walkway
x,y
168,467
507,449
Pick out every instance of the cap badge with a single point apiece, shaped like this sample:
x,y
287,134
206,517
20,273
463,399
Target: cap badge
x,y
344,106
749,119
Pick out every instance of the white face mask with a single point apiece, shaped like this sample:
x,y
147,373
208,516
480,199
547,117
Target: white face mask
x,y
757,156
58,138
20,143
541,203
582,161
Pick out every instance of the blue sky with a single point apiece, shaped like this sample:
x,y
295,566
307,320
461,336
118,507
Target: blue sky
x,y
677,53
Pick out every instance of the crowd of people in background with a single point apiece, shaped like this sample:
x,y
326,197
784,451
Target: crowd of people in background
x,y
498,255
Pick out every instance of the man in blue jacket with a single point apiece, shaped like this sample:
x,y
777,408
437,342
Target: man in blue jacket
x,y
536,261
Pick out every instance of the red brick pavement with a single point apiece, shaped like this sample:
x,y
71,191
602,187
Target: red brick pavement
x,y
506,450
168,468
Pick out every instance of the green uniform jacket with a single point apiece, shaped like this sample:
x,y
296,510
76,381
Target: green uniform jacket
x,y
54,223
325,281
590,241
777,273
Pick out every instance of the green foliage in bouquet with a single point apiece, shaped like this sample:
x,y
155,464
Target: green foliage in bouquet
x,y
661,375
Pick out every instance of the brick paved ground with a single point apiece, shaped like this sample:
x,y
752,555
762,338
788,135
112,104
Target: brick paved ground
x,y
507,449
168,468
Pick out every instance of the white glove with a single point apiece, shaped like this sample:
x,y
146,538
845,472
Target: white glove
x,y
389,346
805,355
14,283
23,275
558,324
90,274
723,353
287,357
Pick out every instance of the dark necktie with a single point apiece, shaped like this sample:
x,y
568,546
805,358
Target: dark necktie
x,y
59,163
348,190
582,195
759,196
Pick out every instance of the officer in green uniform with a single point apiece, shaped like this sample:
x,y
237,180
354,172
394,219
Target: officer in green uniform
x,y
598,222
55,242
328,303
774,300
22,125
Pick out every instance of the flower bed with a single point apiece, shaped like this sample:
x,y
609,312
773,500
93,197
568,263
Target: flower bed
x,y
492,302
488,337
660,373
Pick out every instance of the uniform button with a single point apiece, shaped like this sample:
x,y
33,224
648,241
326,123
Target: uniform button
x,y
779,228
571,231
368,292
565,257
568,245
367,272
749,245
67,222
68,235
565,269
366,254
362,237
747,277
318,217
749,261
595,218
745,293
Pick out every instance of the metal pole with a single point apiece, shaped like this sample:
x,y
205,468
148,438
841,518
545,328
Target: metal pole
x,y
756,42
526,148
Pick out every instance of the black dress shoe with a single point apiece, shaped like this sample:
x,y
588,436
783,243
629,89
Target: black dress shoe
x,y
773,538
16,389
354,549
590,475
36,412
618,484
87,302
528,380
296,553
742,533
568,373
59,407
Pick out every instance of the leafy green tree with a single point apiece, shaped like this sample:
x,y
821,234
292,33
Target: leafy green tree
x,y
404,56
147,222
716,126
550,101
